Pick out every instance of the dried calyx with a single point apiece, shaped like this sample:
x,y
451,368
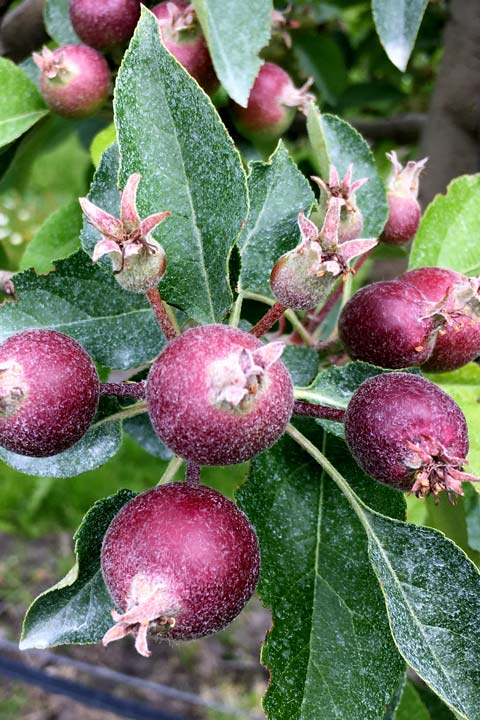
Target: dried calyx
x,y
53,65
138,261
437,470
178,18
303,277
13,388
235,381
405,180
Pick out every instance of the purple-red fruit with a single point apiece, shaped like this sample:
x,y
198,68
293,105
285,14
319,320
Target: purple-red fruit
x,y
49,391
388,324
407,433
218,396
458,341
403,209
180,561
182,36
74,80
272,104
103,24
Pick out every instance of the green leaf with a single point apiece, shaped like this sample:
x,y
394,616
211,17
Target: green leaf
x,y
334,387
472,516
278,191
77,609
397,23
21,104
448,232
321,57
411,706
169,131
56,15
462,385
335,141
58,238
301,362
330,652
235,34
140,428
101,142
97,446
116,327
432,592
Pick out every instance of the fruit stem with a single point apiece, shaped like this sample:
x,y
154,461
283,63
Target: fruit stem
x,y
289,314
192,473
163,318
135,390
237,311
269,319
322,412
128,412
171,470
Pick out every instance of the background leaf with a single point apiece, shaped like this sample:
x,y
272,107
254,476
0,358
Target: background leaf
x,y
140,428
56,15
235,34
397,23
77,609
335,141
278,191
320,56
330,652
116,328
169,131
21,104
58,238
411,706
302,363
448,232
97,446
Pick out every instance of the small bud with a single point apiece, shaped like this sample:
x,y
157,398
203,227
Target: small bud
x,y
138,260
351,218
304,277
404,211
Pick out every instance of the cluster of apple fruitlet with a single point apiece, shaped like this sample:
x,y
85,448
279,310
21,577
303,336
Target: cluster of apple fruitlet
x,y
181,560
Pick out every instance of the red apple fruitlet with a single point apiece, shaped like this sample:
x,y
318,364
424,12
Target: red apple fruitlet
x,y
103,24
180,561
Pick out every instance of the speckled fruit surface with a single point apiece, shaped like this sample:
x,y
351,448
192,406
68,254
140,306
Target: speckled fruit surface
x,y
182,390
403,219
458,343
49,392
387,324
265,115
185,550
389,411
82,87
104,23
189,48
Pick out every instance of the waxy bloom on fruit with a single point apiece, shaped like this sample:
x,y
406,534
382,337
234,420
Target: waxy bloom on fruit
x,y
403,209
218,396
351,218
272,104
407,433
182,36
458,340
103,24
303,278
138,260
180,561
74,79
49,392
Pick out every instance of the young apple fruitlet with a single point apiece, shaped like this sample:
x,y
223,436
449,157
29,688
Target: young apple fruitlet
x,y
218,396
351,219
104,24
403,209
407,433
458,341
49,392
271,105
74,80
182,36
180,561
389,324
